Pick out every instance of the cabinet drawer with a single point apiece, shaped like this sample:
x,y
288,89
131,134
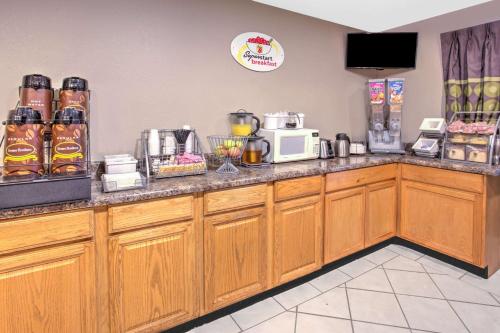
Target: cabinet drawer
x,y
240,197
132,216
26,233
345,179
298,187
454,179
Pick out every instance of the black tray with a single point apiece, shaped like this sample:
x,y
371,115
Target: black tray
x,y
44,191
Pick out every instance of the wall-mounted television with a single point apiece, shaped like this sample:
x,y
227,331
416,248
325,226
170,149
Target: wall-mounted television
x,y
381,50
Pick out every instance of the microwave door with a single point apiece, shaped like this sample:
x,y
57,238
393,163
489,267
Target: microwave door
x,y
292,147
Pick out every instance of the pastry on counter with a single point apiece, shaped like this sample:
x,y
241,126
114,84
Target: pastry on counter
x,y
479,140
477,155
456,153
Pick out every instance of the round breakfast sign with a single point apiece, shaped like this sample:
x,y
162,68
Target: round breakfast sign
x,y
257,51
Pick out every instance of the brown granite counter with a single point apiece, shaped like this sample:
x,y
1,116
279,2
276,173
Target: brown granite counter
x,y
213,181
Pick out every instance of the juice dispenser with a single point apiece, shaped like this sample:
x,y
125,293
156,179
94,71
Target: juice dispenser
x,y
242,123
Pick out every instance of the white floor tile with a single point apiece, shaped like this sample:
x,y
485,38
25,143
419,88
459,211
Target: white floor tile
x,y
372,280
492,284
413,283
457,290
283,323
330,280
360,327
479,318
375,307
404,251
297,295
430,314
381,256
257,313
357,267
333,303
221,325
405,264
433,265
316,324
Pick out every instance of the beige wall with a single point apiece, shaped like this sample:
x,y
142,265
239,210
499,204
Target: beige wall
x,y
167,63
164,63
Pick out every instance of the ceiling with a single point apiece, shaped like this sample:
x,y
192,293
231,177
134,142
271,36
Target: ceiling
x,y
372,16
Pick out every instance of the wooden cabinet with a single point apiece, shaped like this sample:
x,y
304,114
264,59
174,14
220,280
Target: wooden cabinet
x,y
152,278
444,219
381,212
50,290
344,223
235,256
297,238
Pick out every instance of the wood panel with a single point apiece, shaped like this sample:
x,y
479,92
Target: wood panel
x,y
297,238
381,211
50,290
454,179
235,256
492,223
150,213
31,232
443,219
353,178
237,198
344,223
297,187
152,278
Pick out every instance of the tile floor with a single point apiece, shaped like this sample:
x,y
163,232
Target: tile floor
x,y
395,289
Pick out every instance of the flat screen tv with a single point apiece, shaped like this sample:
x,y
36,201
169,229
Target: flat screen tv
x,y
381,50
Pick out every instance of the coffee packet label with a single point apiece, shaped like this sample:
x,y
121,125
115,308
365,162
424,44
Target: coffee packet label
x,y
74,99
23,152
69,148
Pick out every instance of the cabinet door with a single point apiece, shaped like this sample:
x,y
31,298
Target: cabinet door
x,y
381,212
297,238
235,256
443,219
344,223
152,278
50,290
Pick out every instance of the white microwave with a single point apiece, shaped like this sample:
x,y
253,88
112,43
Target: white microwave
x,y
291,144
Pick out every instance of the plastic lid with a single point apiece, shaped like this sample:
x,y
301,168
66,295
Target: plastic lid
x,y
75,83
24,115
242,113
36,81
69,116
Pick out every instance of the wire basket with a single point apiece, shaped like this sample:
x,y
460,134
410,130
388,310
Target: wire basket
x,y
175,158
228,149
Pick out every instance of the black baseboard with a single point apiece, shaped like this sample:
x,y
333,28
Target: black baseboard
x,y
325,269
273,292
482,272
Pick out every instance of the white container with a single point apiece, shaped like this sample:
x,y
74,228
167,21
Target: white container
x,y
169,145
189,140
115,164
154,142
279,120
357,148
117,182
433,125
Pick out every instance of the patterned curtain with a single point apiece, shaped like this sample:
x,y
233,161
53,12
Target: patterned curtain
x,y
471,68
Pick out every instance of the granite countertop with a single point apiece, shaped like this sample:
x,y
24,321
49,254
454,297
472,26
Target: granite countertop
x,y
213,181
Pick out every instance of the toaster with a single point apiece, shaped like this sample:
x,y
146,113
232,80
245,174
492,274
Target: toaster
x,y
326,149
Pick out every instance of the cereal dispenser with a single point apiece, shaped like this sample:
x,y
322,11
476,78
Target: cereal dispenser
x,y
386,106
